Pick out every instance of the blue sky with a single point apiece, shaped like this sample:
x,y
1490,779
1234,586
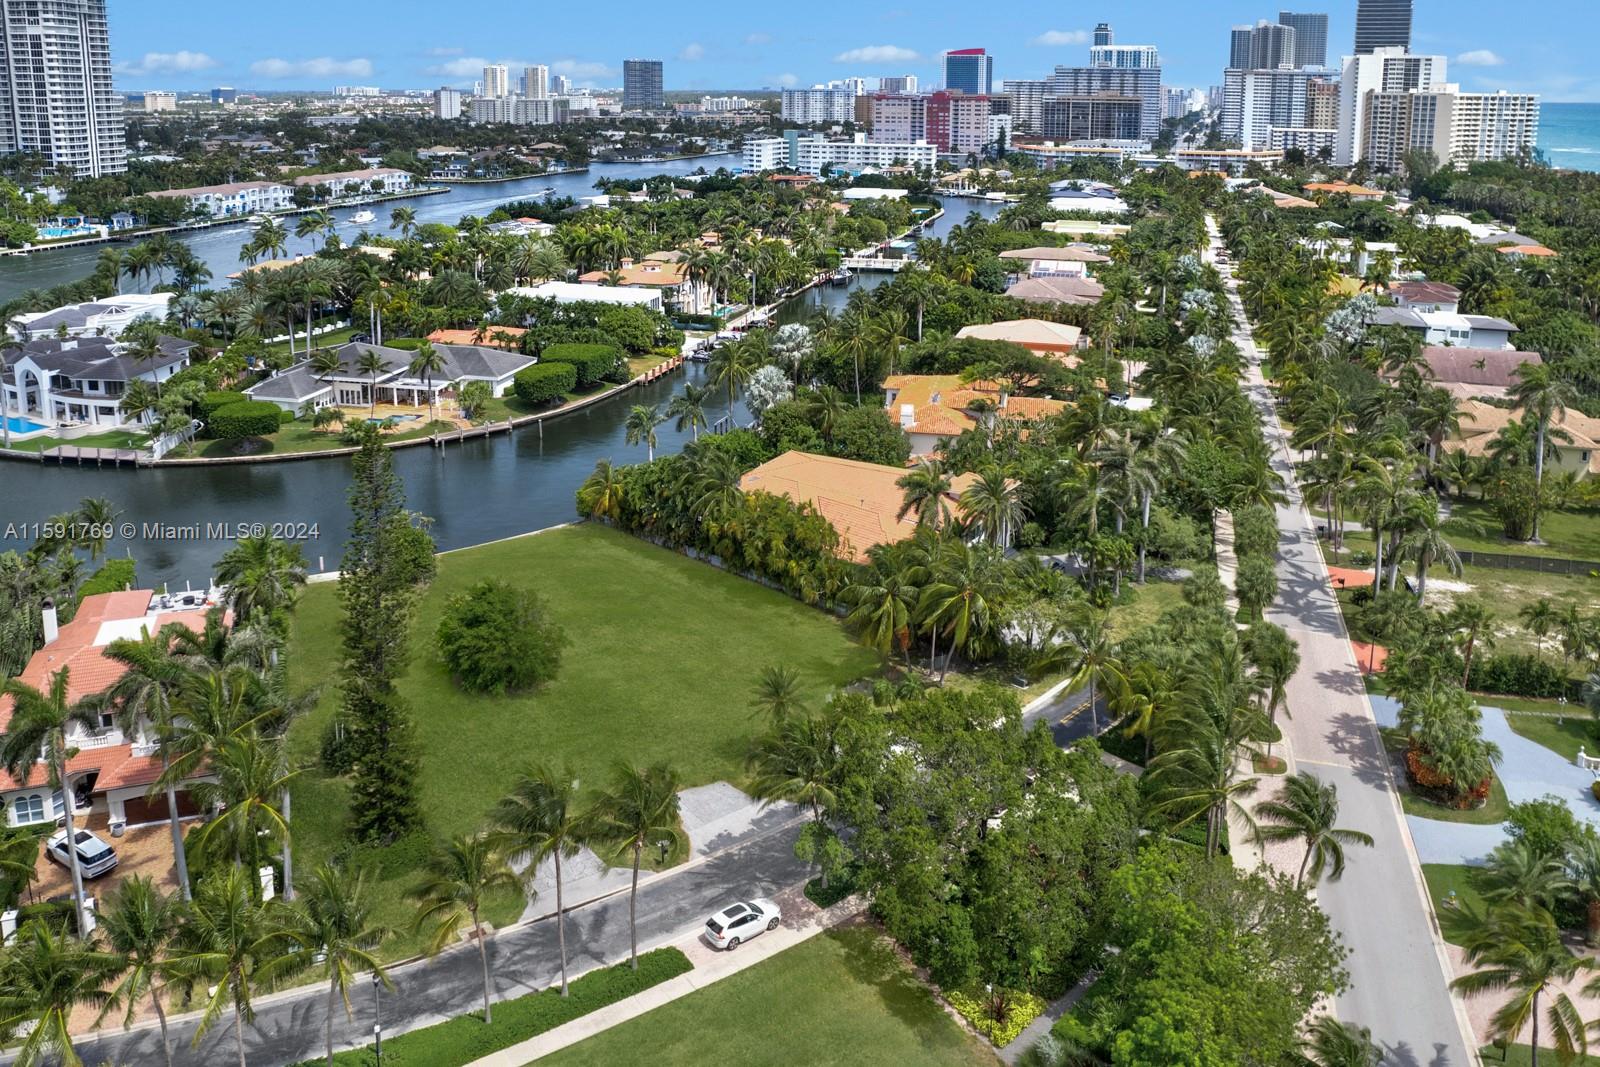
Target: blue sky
x,y
170,44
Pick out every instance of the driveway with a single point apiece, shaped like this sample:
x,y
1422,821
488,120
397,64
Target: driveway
x,y
289,1026
1397,968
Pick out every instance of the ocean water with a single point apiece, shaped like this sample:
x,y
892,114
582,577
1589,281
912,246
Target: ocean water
x,y
1569,135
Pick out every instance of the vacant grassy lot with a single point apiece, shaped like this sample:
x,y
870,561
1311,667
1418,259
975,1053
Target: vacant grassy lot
x,y
1444,879
841,998
664,653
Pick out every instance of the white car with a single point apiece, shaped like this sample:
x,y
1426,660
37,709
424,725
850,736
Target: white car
x,y
740,922
95,857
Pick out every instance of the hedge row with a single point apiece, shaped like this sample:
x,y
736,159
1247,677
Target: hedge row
x,y
1522,676
594,362
466,1038
215,401
544,382
114,576
250,418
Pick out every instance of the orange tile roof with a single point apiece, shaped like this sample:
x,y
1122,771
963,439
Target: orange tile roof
x,y
1036,335
1341,187
1526,250
472,337
860,500
942,403
649,273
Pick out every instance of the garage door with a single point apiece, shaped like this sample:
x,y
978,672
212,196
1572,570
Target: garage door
x,y
143,810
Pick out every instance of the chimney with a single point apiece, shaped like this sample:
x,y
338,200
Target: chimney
x,y
627,261
51,629
908,416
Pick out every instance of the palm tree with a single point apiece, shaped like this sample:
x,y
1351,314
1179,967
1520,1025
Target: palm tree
x,y
538,820
601,494
1540,617
140,923
964,599
640,427
885,599
800,761
1200,777
371,364
640,808
457,881
1331,1043
689,408
1145,696
251,787
403,219
39,722
1427,544
44,977
425,364
927,493
96,515
333,925
1306,811
1473,621
993,508
730,368
777,692
261,574
226,945
1542,395
1520,875
1521,956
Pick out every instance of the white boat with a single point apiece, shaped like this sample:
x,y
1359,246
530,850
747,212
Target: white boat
x,y
257,220
362,218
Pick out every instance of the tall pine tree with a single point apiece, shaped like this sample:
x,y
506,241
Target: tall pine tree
x,y
386,562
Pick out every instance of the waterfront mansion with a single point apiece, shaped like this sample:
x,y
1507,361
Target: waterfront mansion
x,y
80,380
348,386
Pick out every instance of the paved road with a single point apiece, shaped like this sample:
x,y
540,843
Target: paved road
x,y
1398,979
524,959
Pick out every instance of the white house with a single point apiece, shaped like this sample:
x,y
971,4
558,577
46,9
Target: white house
x,y
100,318
1067,261
386,180
576,293
235,199
81,380
349,387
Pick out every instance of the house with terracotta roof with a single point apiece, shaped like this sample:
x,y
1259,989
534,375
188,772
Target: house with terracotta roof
x,y
486,336
1476,371
933,408
111,773
1354,192
1056,340
1066,261
1081,292
665,272
1534,251
861,500
1575,437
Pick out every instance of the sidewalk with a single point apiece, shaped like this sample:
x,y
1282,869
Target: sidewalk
x,y
802,922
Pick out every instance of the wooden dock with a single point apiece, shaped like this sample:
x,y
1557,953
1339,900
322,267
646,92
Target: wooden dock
x,y
117,457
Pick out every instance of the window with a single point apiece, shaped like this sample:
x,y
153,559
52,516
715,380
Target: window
x,y
27,810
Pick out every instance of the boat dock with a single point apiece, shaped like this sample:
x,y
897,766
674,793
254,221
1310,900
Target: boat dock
x,y
117,457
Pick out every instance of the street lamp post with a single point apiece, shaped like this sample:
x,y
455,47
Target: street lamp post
x,y
377,1020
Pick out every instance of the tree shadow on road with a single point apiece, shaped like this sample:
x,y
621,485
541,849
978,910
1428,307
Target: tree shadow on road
x,y
1354,737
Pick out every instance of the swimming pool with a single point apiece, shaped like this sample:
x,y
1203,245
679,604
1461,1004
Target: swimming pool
x,y
66,231
16,425
390,420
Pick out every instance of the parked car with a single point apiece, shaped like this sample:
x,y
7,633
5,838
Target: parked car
x,y
740,922
95,857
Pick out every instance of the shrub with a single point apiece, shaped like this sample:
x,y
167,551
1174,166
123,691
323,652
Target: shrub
x,y
114,576
497,637
1545,825
1594,787
252,418
215,400
1520,675
1255,531
404,344
1018,1009
593,362
1515,494
338,749
543,382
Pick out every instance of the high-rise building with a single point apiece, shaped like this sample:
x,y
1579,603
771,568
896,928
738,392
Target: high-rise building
x,y
641,85
1256,101
1264,46
560,85
1456,128
906,83
155,100
1142,82
1382,24
1102,35
1126,56
957,122
818,105
857,86
1310,37
536,81
496,82
446,103
225,95
56,95
1027,97
970,71
1384,70
1322,104
899,118
1176,103
1102,117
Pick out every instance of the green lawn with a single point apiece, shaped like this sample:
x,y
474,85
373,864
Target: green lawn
x,y
300,436
111,439
664,655
1519,1056
1442,879
1492,813
1562,736
321,340
1566,534
1147,604
842,997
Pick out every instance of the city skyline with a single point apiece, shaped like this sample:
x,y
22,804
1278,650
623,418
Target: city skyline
x,y
156,46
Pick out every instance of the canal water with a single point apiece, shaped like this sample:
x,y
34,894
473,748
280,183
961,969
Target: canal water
x,y
477,491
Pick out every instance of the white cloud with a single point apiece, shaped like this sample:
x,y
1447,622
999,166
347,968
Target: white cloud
x,y
320,67
786,81
468,66
1480,57
758,38
169,63
1059,37
689,53
581,69
877,53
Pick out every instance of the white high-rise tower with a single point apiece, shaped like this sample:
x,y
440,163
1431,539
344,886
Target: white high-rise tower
x,y
56,94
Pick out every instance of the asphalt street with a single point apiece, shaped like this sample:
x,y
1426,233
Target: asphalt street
x,y
1398,979
289,1028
